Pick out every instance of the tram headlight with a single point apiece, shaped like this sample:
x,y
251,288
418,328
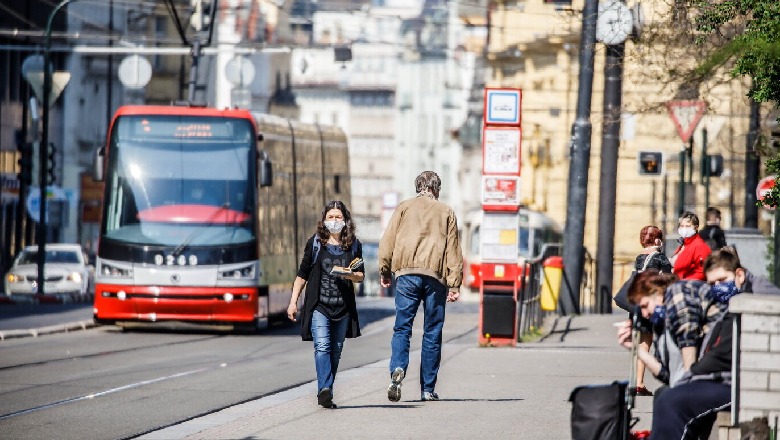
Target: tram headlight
x,y
114,271
238,273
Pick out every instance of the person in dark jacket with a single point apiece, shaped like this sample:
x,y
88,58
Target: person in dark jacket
x,y
652,240
652,257
331,263
712,234
688,410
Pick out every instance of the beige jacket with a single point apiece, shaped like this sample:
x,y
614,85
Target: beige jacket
x,y
422,238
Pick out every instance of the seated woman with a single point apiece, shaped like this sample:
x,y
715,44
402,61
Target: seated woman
x,y
674,309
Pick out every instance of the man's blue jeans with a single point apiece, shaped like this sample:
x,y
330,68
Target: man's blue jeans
x,y
410,291
328,338
688,411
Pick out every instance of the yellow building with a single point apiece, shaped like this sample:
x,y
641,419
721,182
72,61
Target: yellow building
x,y
534,45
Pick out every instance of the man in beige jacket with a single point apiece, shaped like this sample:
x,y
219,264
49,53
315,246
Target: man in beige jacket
x,y
421,248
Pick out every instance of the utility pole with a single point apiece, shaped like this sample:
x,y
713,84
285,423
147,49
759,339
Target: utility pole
x,y
579,161
43,149
752,166
610,142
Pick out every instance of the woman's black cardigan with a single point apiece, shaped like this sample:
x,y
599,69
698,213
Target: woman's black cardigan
x,y
311,271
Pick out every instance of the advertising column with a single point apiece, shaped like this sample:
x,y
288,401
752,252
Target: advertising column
x,y
501,137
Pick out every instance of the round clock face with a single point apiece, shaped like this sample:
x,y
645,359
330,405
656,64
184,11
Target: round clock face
x,y
614,23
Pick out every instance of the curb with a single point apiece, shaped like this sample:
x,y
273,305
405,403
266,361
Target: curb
x,y
35,332
56,298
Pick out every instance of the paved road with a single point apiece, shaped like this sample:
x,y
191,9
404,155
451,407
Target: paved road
x,y
28,315
487,393
106,383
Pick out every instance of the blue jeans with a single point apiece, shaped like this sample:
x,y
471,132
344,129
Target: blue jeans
x,y
688,411
410,290
328,342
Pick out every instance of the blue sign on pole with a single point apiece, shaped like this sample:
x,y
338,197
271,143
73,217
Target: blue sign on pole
x,y
502,106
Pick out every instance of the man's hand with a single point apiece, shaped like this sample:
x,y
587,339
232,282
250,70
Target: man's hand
x,y
624,334
453,295
385,281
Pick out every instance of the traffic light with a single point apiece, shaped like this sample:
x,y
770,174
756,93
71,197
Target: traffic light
x,y
650,163
712,166
51,165
25,150
25,163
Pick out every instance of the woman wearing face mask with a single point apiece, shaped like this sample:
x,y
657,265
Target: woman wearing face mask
x,y
329,313
688,259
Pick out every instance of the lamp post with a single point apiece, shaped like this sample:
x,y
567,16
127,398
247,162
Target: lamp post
x,y
42,152
610,143
579,156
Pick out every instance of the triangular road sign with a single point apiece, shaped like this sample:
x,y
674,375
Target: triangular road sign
x,y
686,115
58,82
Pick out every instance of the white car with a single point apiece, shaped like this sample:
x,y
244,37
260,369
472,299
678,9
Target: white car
x,y
67,271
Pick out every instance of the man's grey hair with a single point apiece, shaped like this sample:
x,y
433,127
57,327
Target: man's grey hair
x,y
428,181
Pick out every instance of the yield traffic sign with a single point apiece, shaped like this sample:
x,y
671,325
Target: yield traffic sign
x,y
686,116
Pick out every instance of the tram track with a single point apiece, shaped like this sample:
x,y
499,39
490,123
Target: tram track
x,y
103,353
255,355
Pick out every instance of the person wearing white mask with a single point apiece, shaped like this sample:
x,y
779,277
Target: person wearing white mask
x,y
332,261
688,259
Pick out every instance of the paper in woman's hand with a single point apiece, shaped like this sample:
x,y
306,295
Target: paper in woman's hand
x,y
338,270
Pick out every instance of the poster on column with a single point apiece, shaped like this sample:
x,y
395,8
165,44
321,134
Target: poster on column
x,y
501,150
500,193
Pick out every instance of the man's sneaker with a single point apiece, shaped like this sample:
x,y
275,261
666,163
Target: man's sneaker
x,y
325,398
394,390
429,396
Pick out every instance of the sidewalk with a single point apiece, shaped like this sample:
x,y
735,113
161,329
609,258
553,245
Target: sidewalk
x,y
487,393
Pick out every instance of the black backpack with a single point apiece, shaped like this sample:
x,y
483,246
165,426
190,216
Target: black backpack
x,y
599,412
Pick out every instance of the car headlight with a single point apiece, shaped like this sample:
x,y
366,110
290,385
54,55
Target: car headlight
x,y
113,271
238,273
13,278
75,277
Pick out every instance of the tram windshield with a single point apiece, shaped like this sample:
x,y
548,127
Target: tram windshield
x,y
180,179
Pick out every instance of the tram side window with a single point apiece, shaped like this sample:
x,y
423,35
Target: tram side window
x,y
523,242
474,243
539,241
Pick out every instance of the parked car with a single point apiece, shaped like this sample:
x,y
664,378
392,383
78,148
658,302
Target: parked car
x,y
67,271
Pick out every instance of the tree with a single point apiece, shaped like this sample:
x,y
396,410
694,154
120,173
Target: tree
x,y
749,33
755,51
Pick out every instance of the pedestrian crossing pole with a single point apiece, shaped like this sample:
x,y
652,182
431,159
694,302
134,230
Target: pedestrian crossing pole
x,y
579,162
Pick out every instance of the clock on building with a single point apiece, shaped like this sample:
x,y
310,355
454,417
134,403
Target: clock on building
x,y
614,23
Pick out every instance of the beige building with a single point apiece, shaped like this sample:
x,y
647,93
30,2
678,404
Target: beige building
x,y
534,46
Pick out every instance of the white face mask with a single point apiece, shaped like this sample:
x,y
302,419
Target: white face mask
x,y
686,232
334,226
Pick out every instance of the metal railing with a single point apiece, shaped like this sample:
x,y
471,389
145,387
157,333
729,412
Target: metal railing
x,y
530,314
529,308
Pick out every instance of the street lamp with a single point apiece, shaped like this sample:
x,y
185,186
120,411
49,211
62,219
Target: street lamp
x,y
135,72
42,153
